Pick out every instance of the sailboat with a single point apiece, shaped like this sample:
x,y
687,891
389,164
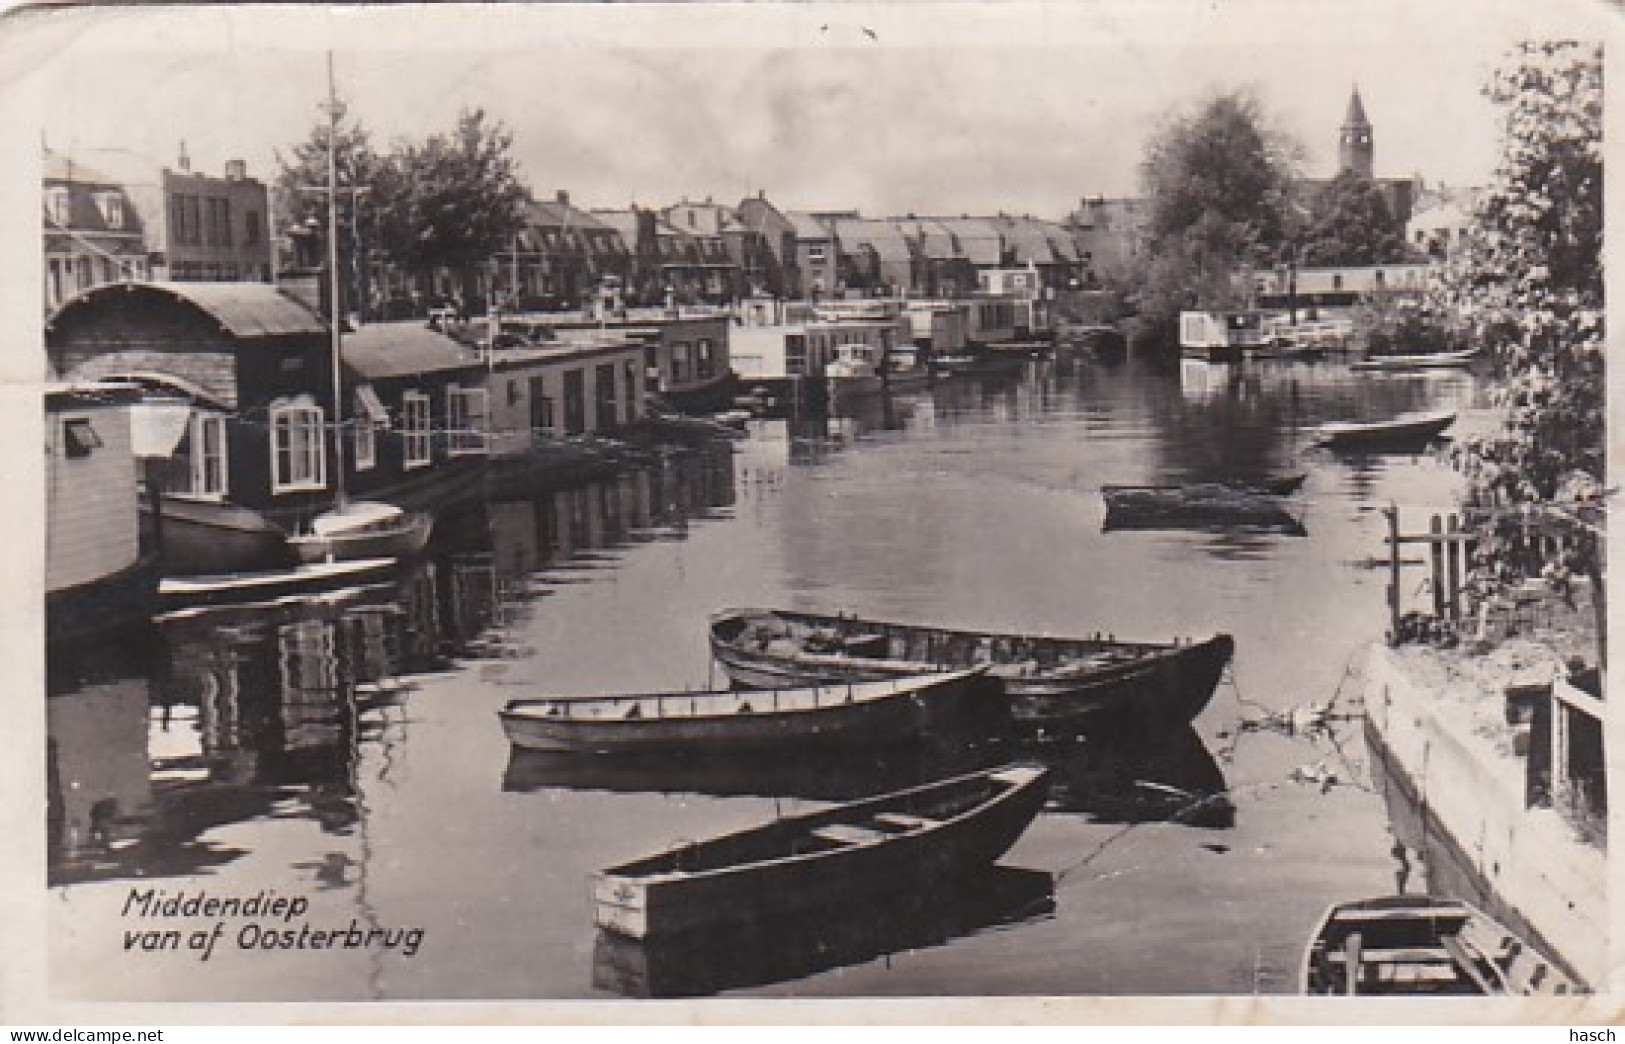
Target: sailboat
x,y
351,530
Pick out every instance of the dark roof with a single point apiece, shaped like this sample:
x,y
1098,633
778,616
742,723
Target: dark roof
x,y
555,214
246,310
1356,114
379,351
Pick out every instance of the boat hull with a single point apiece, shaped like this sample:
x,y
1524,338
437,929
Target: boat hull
x,y
654,898
201,537
1406,363
1156,507
1385,435
404,540
104,605
1140,686
1410,944
228,588
875,714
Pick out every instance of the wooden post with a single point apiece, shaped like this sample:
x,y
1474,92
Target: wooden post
x,y
1438,550
1456,568
1392,512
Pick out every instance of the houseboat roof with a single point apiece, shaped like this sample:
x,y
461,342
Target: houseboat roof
x,y
379,351
246,310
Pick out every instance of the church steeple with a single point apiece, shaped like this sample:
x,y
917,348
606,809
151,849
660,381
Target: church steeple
x,y
1355,149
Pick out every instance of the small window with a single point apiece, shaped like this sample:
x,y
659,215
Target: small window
x,y
298,459
61,206
415,429
79,437
466,411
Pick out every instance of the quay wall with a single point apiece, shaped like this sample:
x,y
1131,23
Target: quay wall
x,y
1529,859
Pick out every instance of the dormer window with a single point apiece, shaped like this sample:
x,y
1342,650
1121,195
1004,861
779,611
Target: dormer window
x,y
57,204
111,204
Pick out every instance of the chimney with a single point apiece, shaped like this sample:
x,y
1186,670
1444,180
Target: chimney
x,y
185,161
564,197
236,170
761,194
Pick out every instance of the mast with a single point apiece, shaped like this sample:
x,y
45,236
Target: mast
x,y
333,319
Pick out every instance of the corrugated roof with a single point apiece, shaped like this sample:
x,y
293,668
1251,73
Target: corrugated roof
x,y
246,310
379,351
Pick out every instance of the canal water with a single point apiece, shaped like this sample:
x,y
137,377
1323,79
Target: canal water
x,y
337,762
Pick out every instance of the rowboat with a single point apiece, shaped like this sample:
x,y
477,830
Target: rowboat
x,y
1410,430
913,839
1428,361
363,529
1052,685
896,710
177,591
1410,944
1201,504
783,949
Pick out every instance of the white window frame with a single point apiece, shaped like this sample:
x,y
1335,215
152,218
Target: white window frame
x,y
364,446
417,449
112,207
58,199
201,424
468,413
301,422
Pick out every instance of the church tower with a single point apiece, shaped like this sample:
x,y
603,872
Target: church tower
x,y
1355,150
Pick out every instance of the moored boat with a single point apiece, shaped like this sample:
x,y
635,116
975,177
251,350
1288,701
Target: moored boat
x,y
1260,505
1052,685
853,714
1410,430
1417,944
363,529
203,536
178,591
902,841
1426,361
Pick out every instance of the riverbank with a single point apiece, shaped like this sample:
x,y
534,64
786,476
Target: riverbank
x,y
1472,760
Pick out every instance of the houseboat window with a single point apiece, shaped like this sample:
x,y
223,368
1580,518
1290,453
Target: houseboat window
x,y
208,455
79,437
631,369
415,446
704,364
466,411
541,407
298,460
575,402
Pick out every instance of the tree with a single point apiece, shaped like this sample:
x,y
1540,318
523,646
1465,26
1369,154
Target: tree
x,y
364,201
1351,225
459,199
1215,180
1529,284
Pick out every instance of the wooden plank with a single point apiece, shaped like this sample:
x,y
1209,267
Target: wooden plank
x,y
1404,913
847,834
1467,961
1391,955
1436,553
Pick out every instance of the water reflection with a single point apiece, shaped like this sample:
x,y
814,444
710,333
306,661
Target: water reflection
x,y
237,713
1167,779
782,949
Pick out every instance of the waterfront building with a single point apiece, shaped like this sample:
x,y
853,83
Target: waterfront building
x,y
203,228
876,256
686,358
1108,234
767,250
817,253
587,383
1041,246
93,234
562,258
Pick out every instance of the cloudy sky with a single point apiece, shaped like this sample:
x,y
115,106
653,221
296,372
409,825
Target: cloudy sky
x,y
885,107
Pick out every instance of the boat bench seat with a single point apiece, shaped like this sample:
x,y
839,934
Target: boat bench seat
x,y
1418,913
903,821
1397,955
847,834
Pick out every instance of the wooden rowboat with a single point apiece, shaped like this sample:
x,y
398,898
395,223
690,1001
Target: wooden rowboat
x,y
1258,506
904,841
872,713
363,529
177,591
1429,361
1053,686
1410,944
1414,430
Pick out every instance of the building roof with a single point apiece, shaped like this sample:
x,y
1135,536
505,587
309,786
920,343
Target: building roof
x,y
807,226
245,310
1356,114
1036,241
379,351
976,239
59,166
889,241
561,213
623,221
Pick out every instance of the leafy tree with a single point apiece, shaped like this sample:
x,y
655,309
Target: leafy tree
x,y
1352,225
364,200
1215,180
1530,285
459,199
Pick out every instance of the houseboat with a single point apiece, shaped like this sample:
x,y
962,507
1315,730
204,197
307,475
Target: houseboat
x,y
1224,336
100,575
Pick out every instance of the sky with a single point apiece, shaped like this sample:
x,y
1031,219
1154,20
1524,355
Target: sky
x,y
888,108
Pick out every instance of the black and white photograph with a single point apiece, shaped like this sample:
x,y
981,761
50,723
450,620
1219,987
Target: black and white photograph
x,y
1044,504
